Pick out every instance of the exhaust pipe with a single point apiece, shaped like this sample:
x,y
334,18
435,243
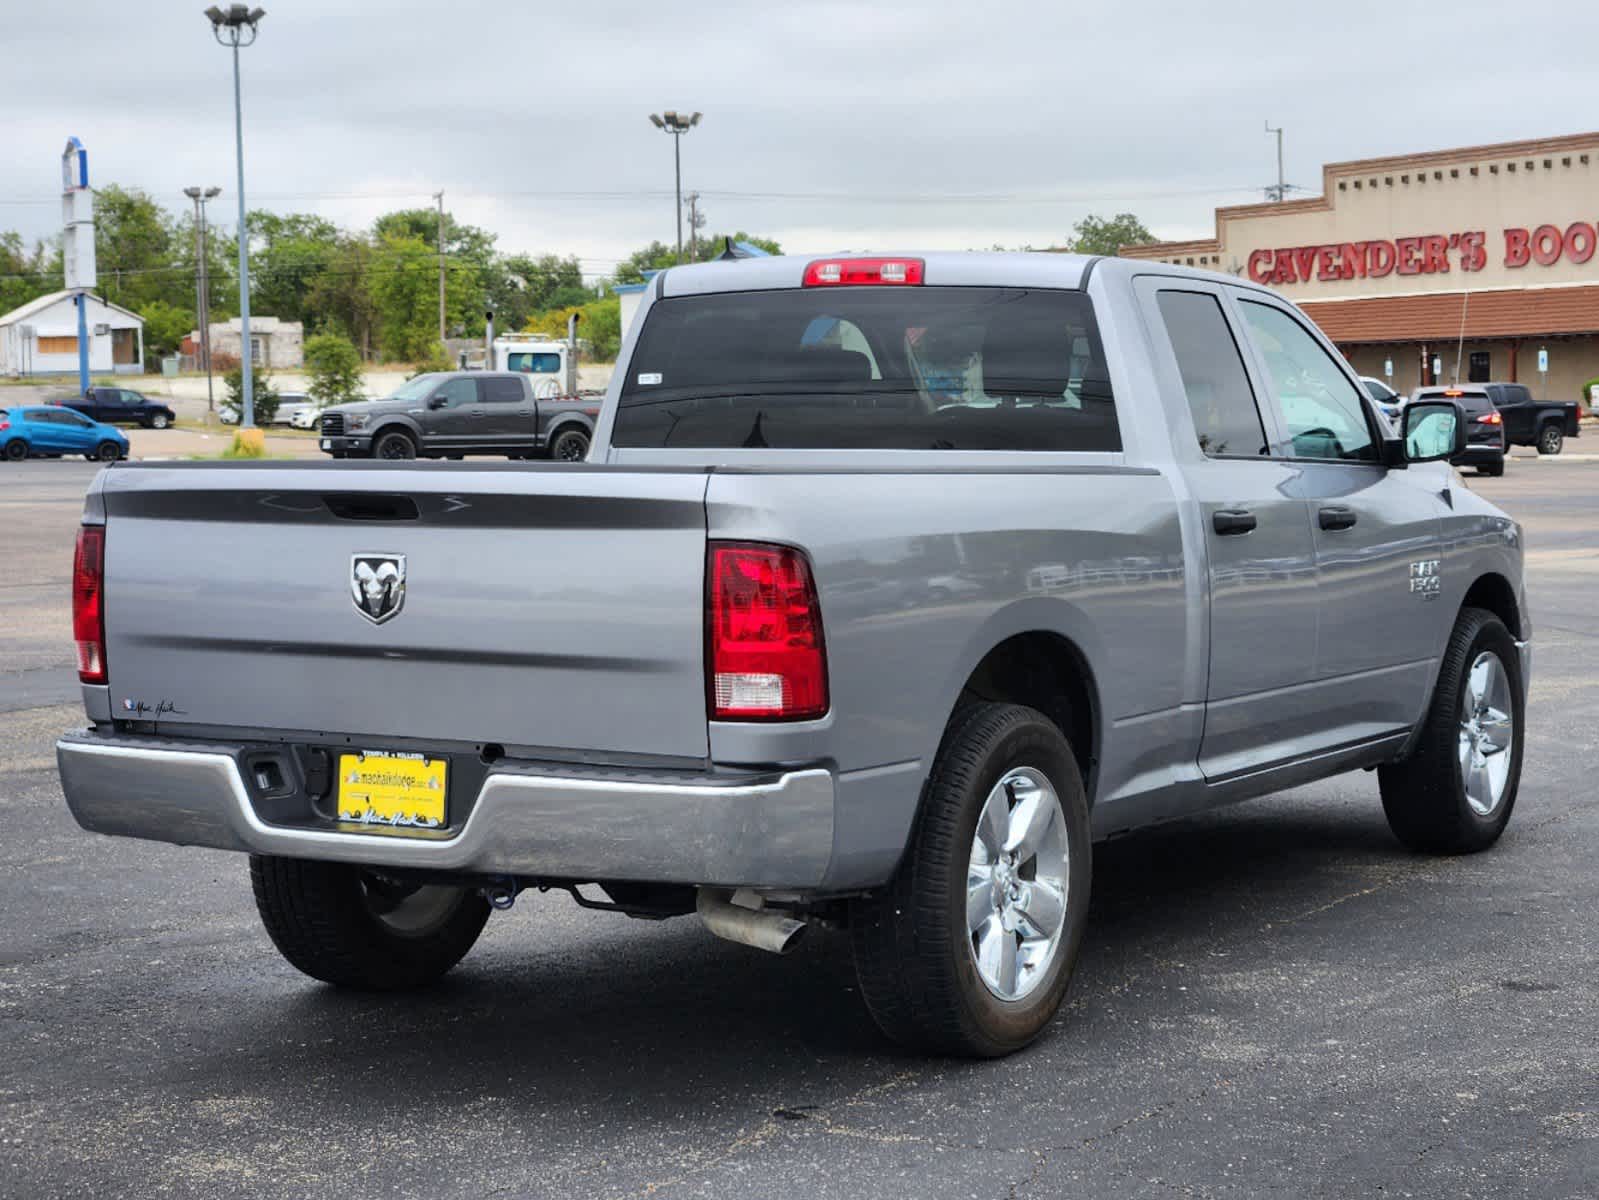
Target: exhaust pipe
x,y
765,929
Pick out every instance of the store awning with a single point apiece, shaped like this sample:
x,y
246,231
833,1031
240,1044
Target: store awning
x,y
1530,312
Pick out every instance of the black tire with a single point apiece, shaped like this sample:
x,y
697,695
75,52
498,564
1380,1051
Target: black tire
x,y
1424,796
16,450
108,452
911,940
570,445
1551,438
1495,468
327,920
394,445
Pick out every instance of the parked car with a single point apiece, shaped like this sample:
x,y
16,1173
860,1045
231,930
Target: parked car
x,y
424,690
119,406
1386,399
290,405
1485,443
51,431
1545,424
450,414
306,416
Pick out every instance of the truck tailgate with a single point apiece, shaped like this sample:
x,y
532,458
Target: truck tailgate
x,y
557,608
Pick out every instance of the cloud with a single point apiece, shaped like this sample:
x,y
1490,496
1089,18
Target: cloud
x,y
938,123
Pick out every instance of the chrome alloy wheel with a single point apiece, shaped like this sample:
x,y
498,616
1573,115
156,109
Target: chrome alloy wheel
x,y
1016,884
1487,733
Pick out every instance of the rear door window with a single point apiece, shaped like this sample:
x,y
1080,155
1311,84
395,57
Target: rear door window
x,y
500,390
1226,417
903,368
1322,411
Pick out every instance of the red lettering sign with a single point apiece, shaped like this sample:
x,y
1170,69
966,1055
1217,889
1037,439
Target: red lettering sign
x,y
1424,255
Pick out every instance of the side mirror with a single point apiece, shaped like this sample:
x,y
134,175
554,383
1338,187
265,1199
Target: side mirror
x,y
438,401
1433,430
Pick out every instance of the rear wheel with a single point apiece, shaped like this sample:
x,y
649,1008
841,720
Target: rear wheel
x,y
570,445
108,452
1453,795
16,450
1550,439
359,929
1496,467
394,446
969,949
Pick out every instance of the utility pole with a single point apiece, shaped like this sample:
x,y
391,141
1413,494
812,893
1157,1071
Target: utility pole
x,y
439,196
202,283
1280,192
695,220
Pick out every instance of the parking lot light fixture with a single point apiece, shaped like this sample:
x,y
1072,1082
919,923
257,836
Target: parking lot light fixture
x,y
235,28
676,124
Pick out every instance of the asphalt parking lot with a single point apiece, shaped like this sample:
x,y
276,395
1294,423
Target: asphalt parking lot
x,y
1274,999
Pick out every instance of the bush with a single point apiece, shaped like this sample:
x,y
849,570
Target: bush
x,y
334,365
600,326
438,359
1589,398
265,396
243,449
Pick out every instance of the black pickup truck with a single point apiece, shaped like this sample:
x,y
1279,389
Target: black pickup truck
x,y
119,406
1545,424
450,414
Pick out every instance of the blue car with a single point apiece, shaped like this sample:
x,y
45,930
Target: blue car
x,y
49,431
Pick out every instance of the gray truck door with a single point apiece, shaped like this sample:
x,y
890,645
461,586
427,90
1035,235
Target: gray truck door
x,y
1260,560
1377,531
508,421
458,419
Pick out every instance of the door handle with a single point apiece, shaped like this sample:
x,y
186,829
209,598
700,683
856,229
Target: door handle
x,y
477,416
1231,521
1336,516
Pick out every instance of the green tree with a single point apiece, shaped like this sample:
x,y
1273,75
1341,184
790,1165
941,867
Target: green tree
x,y
599,326
334,365
1107,235
657,256
524,285
26,275
264,396
288,255
135,243
473,270
165,326
403,283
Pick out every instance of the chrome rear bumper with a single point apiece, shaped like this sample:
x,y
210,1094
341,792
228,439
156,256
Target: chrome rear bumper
x,y
773,830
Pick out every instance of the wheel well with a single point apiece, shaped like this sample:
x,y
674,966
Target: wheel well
x,y
1047,672
569,424
395,427
1494,593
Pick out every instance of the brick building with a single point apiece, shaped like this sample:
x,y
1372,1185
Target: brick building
x,y
1480,257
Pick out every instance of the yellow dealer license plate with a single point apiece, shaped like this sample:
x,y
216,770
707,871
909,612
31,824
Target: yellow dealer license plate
x,y
399,790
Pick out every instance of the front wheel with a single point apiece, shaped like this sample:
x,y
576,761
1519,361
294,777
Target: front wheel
x,y
970,947
108,452
1550,439
1453,795
359,929
394,446
159,421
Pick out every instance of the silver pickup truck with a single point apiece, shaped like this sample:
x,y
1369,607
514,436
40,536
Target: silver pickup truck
x,y
890,586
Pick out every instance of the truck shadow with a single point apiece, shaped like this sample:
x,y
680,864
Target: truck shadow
x,y
609,1012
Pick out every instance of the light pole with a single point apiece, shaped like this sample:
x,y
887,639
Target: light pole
x,y
677,124
229,28
202,284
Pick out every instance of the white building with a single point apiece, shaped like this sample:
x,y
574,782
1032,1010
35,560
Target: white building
x,y
41,338
274,344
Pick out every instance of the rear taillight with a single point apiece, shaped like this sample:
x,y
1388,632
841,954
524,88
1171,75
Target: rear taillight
x,y
763,640
1490,418
847,272
88,603
4,425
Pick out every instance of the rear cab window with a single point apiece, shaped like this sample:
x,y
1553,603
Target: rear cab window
x,y
902,368
1474,402
533,362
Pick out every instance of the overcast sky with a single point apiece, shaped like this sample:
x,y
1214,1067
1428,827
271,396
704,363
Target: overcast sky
x,y
938,124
